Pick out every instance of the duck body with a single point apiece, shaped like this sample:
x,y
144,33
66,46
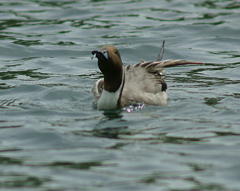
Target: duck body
x,y
124,85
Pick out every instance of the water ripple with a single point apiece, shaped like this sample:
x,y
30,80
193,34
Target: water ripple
x,y
53,138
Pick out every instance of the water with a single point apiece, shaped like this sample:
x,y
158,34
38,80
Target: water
x,y
51,136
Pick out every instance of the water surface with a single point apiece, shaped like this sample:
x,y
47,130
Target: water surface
x,y
51,136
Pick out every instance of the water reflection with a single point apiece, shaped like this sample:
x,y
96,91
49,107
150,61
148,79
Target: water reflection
x,y
80,166
4,86
22,181
113,114
32,73
110,132
219,4
111,125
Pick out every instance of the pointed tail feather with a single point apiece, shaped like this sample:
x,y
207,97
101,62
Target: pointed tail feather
x,y
160,55
172,63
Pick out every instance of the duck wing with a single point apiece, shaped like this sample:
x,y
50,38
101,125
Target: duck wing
x,y
98,88
144,82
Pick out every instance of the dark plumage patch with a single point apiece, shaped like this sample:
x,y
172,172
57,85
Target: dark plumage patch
x,y
137,65
144,64
164,86
128,67
151,65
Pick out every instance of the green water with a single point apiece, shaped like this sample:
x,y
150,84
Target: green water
x,y
51,136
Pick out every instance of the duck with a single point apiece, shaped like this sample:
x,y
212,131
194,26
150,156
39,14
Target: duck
x,y
124,85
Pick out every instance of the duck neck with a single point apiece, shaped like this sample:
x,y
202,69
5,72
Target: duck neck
x,y
113,80
111,99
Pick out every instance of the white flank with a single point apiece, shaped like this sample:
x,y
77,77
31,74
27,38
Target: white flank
x,y
96,91
163,98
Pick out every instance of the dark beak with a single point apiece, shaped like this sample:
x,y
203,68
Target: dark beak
x,y
95,53
99,54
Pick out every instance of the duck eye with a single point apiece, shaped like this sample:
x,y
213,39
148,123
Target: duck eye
x,y
105,53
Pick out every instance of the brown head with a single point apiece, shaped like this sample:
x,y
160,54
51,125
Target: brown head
x,y
110,64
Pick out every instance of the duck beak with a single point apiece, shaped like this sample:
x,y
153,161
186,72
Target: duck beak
x,y
94,54
101,55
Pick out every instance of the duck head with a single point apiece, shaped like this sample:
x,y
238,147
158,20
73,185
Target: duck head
x,y
110,64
